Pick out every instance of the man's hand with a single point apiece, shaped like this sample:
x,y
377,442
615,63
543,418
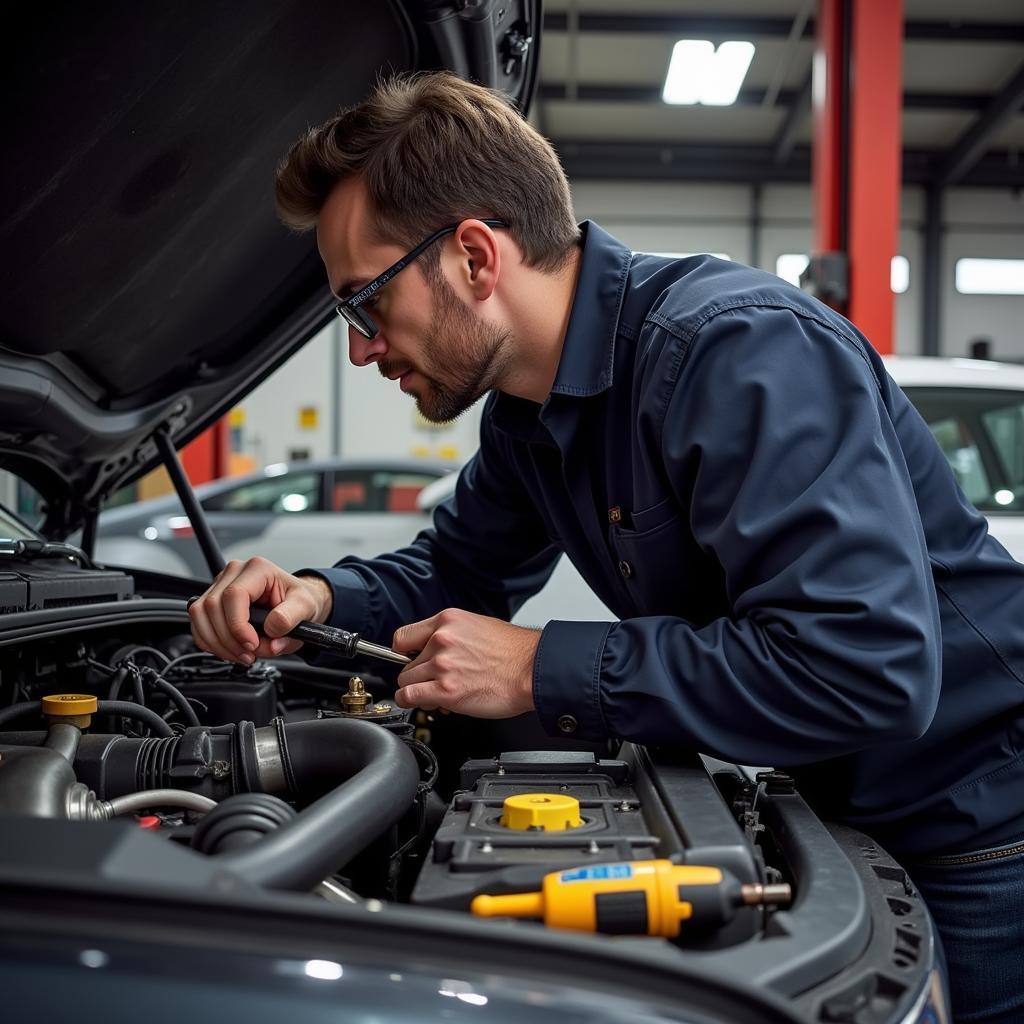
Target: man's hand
x,y
220,618
467,663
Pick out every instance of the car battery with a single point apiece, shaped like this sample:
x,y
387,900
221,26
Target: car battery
x,y
632,809
30,586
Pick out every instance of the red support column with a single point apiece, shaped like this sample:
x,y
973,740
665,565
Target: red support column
x,y
206,457
857,151
875,165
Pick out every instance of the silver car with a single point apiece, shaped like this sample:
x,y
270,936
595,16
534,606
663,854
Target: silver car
x,y
295,514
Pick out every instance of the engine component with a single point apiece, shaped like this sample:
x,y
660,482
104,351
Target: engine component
x,y
541,812
125,708
356,701
492,841
240,821
473,846
383,778
82,804
370,780
30,585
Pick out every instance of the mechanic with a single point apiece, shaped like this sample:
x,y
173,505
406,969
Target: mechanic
x,y
800,581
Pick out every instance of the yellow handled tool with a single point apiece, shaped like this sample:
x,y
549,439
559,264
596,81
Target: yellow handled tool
x,y
646,897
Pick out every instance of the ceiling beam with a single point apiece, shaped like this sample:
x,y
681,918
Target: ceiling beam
x,y
968,149
738,27
657,160
613,93
799,108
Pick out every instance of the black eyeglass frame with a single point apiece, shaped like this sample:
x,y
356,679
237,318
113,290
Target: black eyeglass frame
x,y
349,309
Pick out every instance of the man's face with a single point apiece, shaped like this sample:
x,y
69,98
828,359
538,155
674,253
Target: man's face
x,y
429,340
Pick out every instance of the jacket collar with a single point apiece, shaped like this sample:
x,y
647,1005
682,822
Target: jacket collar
x,y
588,351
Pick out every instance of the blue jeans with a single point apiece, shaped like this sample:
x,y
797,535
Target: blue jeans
x,y
977,901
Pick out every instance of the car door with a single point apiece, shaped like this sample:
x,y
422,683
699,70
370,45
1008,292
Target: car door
x,y
981,433
251,518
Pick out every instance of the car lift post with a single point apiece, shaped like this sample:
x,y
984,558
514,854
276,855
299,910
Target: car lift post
x,y
857,106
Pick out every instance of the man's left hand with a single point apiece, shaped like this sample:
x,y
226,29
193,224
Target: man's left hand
x,y
467,663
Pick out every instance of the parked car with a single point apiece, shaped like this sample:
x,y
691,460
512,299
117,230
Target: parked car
x,y
183,838
975,409
296,514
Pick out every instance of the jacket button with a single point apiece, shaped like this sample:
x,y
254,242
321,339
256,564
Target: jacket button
x,y
566,723
626,569
615,514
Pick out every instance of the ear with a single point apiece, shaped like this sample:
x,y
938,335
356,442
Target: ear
x,y
479,257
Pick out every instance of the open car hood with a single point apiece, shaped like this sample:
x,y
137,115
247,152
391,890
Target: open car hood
x,y
146,282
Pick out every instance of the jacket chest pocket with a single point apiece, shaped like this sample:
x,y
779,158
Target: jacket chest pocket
x,y
664,570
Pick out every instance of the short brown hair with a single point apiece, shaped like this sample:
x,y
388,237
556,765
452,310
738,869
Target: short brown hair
x,y
433,150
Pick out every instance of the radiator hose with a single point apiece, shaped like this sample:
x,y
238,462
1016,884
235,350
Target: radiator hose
x,y
380,776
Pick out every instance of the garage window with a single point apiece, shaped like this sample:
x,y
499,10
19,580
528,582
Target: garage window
x,y
990,277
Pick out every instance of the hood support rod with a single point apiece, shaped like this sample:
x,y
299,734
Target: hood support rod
x,y
88,545
194,511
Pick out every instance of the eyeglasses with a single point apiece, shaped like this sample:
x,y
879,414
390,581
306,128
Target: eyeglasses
x,y
350,309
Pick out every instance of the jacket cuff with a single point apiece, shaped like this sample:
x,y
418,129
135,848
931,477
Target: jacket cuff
x,y
350,609
566,679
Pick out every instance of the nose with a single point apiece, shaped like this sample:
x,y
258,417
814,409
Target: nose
x,y
362,350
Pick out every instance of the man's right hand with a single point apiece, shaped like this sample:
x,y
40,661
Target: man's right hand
x,y
220,618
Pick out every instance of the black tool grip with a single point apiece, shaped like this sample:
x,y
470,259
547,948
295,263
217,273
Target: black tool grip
x,y
337,641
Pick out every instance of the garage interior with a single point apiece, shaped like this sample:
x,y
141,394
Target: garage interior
x,y
799,636
736,180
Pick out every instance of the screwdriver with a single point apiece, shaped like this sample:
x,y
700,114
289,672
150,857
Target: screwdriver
x,y
644,897
335,641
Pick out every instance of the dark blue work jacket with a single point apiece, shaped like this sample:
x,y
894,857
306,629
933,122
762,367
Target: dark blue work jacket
x,y
800,581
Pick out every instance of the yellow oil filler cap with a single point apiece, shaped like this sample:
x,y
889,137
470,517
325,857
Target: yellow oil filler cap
x,y
548,812
75,708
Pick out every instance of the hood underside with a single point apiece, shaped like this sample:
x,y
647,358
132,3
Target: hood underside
x,y
146,282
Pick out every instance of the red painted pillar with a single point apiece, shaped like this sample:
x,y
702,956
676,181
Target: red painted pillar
x,y
206,457
857,149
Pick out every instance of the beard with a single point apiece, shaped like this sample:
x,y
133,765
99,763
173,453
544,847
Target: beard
x,y
464,357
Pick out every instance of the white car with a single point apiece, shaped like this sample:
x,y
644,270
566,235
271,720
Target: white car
x,y
975,410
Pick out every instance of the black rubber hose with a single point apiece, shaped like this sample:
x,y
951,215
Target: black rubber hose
x,y
240,821
124,708
116,682
17,710
382,777
176,697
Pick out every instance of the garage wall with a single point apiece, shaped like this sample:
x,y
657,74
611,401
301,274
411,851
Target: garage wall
x,y
320,404
989,224
374,418
670,217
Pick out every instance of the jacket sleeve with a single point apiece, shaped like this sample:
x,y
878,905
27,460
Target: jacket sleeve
x,y
487,552
778,446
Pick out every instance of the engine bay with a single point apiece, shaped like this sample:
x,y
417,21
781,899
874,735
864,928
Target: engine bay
x,y
299,778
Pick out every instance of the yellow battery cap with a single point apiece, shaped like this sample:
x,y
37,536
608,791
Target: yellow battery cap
x,y
69,705
550,812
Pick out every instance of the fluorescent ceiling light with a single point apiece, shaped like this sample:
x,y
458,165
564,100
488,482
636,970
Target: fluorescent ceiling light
x,y
698,73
